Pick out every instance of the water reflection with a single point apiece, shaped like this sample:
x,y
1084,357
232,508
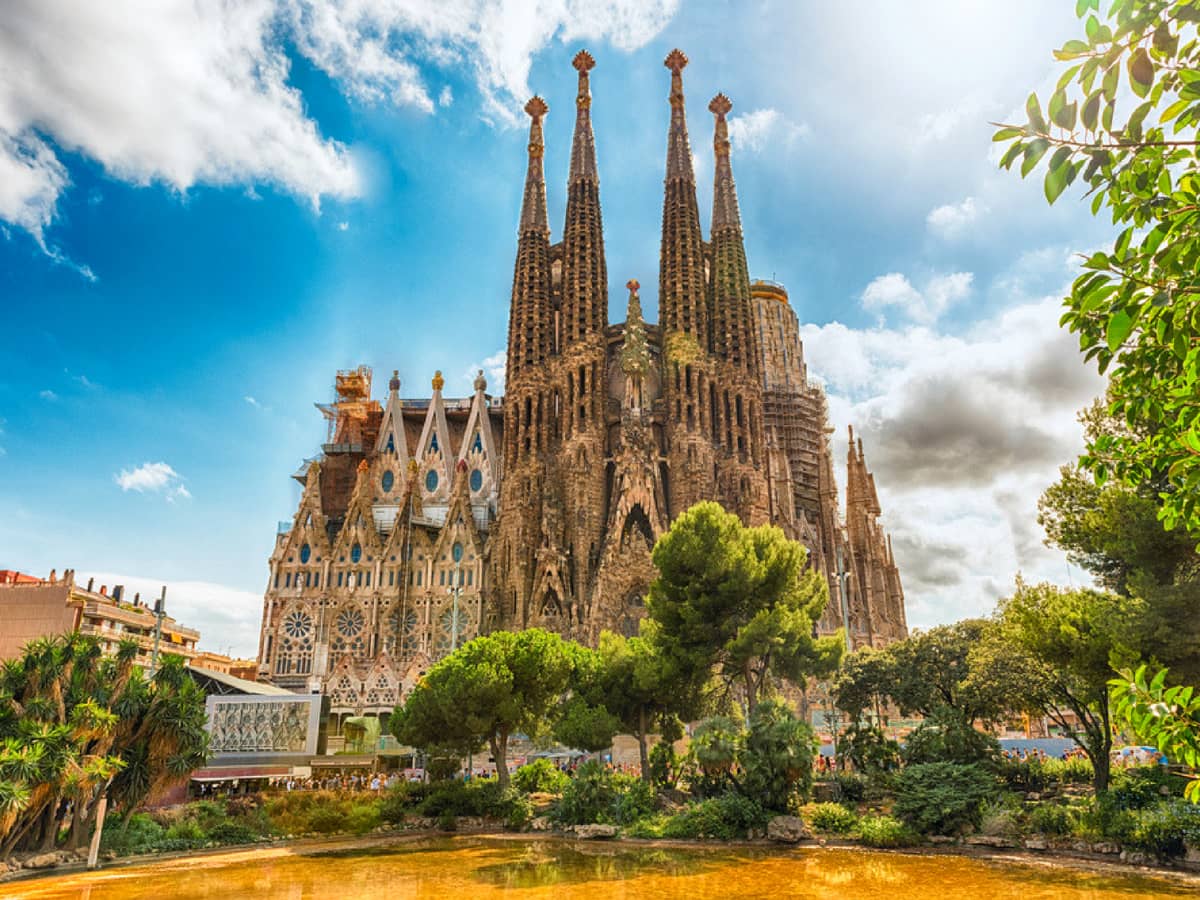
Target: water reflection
x,y
490,867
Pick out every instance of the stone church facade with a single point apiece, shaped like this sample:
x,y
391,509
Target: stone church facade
x,y
424,522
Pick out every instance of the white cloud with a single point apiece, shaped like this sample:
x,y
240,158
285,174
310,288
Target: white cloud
x,y
927,305
227,618
48,395
493,369
253,401
446,97
951,220
764,129
343,226
155,478
964,431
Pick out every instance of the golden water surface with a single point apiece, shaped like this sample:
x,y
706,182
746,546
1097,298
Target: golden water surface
x,y
480,867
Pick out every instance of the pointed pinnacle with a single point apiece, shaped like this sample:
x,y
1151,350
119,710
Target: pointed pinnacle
x,y
720,105
676,61
583,61
536,107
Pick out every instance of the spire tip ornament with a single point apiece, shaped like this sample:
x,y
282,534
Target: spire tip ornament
x,y
720,105
676,61
583,61
536,107
438,381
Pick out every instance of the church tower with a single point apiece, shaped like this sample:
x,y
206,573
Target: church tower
x,y
580,385
525,404
683,314
738,399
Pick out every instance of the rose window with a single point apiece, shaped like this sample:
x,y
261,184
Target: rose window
x,y
350,622
297,624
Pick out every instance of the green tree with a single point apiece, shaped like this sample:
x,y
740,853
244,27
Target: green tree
x,y
777,756
491,688
1062,642
1168,717
1113,531
739,600
1135,308
76,724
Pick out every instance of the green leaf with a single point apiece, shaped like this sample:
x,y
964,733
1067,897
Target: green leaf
x,y
1007,134
1141,72
1033,109
1033,155
1065,78
1173,110
1109,83
1091,108
1011,154
1071,50
1119,327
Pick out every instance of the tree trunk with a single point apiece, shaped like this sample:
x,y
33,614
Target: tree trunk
x,y
643,750
1102,760
500,754
751,690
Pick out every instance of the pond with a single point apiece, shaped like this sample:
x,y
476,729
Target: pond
x,y
482,867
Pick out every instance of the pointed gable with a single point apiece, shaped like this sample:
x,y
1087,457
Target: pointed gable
x,y
392,442
479,451
434,452
358,529
309,524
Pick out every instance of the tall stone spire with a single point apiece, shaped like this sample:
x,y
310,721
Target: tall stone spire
x,y
733,336
585,275
681,281
529,313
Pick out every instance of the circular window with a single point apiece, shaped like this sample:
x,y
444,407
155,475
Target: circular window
x,y
350,622
388,480
457,551
356,553
297,624
431,480
476,479
305,553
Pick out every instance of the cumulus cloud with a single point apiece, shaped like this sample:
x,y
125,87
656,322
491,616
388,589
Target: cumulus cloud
x,y
927,305
48,395
963,431
154,478
763,129
227,618
180,93
952,220
493,368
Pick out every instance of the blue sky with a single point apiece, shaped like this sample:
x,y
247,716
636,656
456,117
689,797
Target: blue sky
x,y
206,211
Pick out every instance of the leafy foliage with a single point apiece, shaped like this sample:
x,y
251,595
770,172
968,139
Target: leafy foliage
x,y
778,756
942,798
1168,717
595,795
493,687
740,600
539,776
76,724
1135,308
727,817
1062,641
884,831
832,818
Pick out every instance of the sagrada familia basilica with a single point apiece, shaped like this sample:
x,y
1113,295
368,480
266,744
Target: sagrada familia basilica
x,y
426,521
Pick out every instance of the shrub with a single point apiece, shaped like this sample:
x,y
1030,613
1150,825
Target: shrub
x,y
665,765
1001,817
1052,819
726,818
541,775
141,835
1143,787
635,800
945,738
884,831
1076,770
1164,829
186,831
362,817
942,798
588,798
232,833
1102,819
777,756
851,788
649,827
506,804
326,819
832,818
